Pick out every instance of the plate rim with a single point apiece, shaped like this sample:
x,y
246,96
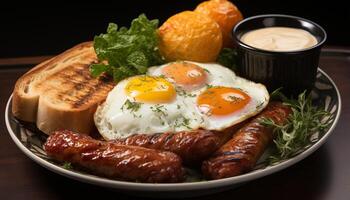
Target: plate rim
x,y
163,187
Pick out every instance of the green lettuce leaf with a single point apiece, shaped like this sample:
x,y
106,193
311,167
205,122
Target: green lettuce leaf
x,y
228,58
128,52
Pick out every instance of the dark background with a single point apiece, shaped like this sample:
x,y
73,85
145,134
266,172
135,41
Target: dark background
x,y
50,28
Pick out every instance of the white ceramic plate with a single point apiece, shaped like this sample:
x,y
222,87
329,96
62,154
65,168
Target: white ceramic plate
x,y
30,141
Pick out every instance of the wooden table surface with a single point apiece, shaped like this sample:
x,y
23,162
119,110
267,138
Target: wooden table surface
x,y
323,175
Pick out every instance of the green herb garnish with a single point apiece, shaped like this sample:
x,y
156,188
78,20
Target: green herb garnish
x,y
67,165
209,86
182,92
303,122
127,52
206,70
228,58
259,105
160,109
131,106
182,121
186,122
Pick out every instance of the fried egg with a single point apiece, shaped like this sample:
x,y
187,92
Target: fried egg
x,y
179,96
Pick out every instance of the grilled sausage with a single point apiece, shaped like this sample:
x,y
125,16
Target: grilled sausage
x,y
241,153
113,160
192,146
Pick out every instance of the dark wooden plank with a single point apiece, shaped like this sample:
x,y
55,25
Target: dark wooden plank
x,y
23,60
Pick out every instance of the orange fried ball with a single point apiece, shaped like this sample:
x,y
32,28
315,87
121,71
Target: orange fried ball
x,y
190,36
225,14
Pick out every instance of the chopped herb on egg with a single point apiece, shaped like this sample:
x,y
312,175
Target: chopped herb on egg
x,y
159,109
136,116
239,89
260,105
162,76
209,86
202,120
206,70
131,106
182,121
234,99
186,122
182,92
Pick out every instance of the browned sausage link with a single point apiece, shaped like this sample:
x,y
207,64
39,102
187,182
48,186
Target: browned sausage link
x,y
192,147
113,160
241,153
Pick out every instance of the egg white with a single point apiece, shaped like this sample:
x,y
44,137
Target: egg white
x,y
113,121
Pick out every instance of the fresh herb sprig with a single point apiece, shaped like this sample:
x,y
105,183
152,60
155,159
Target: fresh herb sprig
x,y
303,122
126,52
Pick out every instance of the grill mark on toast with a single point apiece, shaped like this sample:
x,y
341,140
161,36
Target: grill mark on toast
x,y
85,98
68,58
101,86
90,86
74,86
51,67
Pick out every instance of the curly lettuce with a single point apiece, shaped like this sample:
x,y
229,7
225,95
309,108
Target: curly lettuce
x,y
228,58
126,52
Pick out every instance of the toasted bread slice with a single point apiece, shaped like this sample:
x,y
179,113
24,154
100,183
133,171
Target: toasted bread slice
x,y
60,93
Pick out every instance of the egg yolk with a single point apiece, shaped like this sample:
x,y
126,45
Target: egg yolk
x,y
150,89
222,101
186,75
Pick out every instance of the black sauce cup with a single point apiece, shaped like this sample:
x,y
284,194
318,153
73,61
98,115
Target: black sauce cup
x,y
294,71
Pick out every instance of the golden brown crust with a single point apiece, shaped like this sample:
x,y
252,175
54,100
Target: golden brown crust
x,y
61,93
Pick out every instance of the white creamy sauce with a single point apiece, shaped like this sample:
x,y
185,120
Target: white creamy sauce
x,y
279,39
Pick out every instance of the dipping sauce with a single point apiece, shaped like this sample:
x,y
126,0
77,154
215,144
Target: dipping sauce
x,y
279,39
